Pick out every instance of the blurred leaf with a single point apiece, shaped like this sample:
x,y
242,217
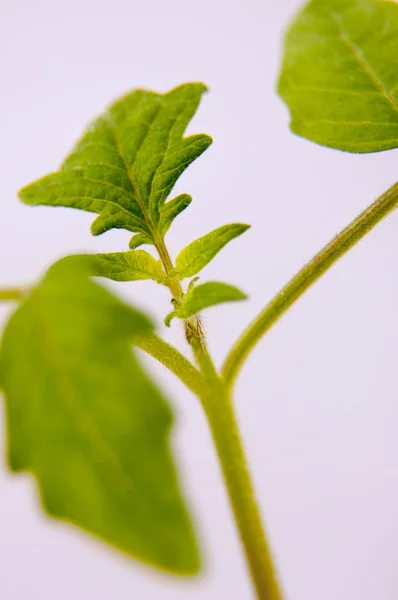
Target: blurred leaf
x,y
199,253
340,74
87,422
126,164
203,296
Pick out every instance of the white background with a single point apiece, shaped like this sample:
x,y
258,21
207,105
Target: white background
x,y
318,400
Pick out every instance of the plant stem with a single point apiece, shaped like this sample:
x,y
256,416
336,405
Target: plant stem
x,y
225,432
222,422
173,283
171,358
304,279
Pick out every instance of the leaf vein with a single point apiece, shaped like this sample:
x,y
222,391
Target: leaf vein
x,y
364,63
71,398
128,168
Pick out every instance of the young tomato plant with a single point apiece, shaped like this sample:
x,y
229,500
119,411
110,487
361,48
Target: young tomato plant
x,y
82,415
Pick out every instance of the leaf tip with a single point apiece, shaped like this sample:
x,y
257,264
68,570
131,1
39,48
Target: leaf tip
x,y
23,194
239,228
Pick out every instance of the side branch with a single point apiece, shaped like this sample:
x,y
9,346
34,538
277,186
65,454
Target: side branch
x,y
304,279
171,358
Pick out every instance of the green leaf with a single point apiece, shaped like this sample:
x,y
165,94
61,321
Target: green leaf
x,y
199,253
210,294
126,164
124,266
171,210
203,296
139,240
86,421
340,74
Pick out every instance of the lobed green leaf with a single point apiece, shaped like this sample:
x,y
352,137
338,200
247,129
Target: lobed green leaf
x,y
340,74
83,417
194,257
126,164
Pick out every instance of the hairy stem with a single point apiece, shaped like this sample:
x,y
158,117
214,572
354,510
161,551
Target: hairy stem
x,y
304,279
171,358
211,390
224,428
174,283
221,417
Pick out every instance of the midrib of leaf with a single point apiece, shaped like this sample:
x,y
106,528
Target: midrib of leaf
x,y
358,55
158,241
137,195
71,400
164,155
129,168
